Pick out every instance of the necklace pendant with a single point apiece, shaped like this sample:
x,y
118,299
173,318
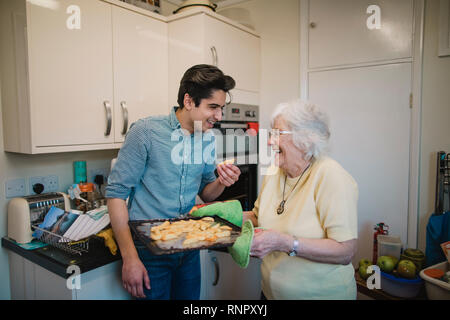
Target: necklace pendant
x,y
280,209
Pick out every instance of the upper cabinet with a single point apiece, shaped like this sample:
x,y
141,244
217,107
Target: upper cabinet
x,y
140,54
78,73
70,73
204,37
377,30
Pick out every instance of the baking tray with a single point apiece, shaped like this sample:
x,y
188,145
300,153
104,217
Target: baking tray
x,y
141,231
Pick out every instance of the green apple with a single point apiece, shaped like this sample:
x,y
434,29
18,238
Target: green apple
x,y
395,260
406,269
364,261
363,271
386,263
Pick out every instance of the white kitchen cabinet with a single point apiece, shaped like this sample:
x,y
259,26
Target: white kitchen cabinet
x,y
201,36
223,279
71,67
30,281
140,54
358,40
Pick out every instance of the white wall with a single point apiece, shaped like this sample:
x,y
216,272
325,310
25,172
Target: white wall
x,y
435,115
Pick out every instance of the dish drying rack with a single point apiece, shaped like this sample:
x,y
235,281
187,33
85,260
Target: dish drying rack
x,y
60,242
442,182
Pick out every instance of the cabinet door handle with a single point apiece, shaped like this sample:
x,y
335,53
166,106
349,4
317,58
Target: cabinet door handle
x,y
216,268
214,56
123,104
107,106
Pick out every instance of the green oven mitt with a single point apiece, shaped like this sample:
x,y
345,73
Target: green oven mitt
x,y
240,251
228,210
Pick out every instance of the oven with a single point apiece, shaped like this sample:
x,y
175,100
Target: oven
x,y
237,134
237,137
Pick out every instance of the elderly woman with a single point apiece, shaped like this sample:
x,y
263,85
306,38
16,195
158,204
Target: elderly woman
x,y
307,212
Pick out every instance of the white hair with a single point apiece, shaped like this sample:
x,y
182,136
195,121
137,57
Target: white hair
x,y
309,124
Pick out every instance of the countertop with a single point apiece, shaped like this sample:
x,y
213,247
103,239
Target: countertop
x,y
57,261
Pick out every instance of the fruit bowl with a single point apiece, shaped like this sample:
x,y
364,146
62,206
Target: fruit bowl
x,y
400,287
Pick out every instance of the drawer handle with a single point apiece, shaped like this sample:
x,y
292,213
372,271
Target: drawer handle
x,y
123,104
216,268
107,106
214,56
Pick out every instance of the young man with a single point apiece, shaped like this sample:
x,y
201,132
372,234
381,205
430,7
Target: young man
x,y
161,167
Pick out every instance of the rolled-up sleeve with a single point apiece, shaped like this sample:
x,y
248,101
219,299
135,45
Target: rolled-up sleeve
x,y
131,162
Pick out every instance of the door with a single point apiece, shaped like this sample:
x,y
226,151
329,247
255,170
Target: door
x,y
346,31
357,65
370,123
234,51
140,50
70,72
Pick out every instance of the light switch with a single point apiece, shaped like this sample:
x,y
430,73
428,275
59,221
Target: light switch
x,y
15,188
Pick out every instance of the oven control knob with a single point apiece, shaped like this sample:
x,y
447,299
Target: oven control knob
x,y
248,113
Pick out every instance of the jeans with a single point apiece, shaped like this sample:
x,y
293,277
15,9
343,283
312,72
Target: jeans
x,y
173,276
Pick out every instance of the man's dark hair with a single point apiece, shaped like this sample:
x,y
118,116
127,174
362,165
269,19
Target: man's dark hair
x,y
200,81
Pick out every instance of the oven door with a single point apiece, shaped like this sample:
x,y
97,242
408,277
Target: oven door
x,y
244,189
233,141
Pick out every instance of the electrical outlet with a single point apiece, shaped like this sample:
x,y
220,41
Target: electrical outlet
x,y
15,188
35,180
51,183
94,172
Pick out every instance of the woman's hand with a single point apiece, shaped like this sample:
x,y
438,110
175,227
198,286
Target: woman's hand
x,y
266,241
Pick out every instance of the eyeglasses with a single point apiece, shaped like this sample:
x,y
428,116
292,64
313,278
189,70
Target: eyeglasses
x,y
275,133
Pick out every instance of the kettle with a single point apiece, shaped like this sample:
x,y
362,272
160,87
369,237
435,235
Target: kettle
x,y
189,4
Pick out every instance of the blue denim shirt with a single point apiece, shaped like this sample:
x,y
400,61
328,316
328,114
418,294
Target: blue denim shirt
x,y
161,168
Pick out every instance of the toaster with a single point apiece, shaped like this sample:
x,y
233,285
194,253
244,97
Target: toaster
x,y
31,210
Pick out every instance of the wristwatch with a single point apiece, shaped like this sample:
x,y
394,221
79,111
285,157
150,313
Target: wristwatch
x,y
293,252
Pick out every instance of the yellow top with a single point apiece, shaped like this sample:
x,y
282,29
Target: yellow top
x,y
322,205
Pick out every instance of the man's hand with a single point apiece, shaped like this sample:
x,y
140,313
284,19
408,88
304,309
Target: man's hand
x,y
228,174
133,275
